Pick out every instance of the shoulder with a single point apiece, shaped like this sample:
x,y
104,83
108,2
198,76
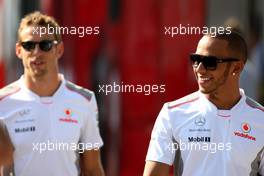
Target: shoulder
x,y
9,90
253,104
187,100
87,94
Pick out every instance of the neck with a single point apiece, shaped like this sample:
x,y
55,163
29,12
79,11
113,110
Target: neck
x,y
43,86
224,100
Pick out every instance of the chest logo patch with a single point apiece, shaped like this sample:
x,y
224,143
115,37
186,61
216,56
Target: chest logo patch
x,y
200,121
68,116
245,128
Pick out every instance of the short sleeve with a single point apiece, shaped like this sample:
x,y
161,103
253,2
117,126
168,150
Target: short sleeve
x,y
90,135
161,143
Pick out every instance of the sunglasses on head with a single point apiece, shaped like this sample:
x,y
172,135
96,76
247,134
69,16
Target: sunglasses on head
x,y
209,62
44,45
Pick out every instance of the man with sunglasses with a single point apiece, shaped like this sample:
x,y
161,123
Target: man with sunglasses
x,y
52,122
217,130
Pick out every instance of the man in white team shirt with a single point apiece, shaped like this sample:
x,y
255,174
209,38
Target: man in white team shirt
x,y
217,130
52,123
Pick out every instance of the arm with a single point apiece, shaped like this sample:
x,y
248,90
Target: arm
x,y
257,167
90,159
6,147
161,154
153,168
91,163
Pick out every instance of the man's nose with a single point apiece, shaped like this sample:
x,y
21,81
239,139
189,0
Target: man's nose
x,y
37,50
200,68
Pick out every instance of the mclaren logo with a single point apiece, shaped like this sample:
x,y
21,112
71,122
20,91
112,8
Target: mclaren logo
x,y
24,112
200,121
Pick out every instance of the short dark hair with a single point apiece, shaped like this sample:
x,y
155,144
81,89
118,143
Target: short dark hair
x,y
236,42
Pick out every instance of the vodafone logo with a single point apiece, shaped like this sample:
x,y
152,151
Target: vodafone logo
x,y
68,112
245,127
68,117
245,132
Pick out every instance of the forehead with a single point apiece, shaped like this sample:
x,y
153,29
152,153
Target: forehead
x,y
213,47
34,33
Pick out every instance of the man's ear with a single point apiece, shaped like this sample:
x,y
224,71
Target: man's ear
x,y
238,67
60,50
18,50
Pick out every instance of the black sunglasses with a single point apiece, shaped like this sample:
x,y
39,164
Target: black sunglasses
x,y
44,45
209,62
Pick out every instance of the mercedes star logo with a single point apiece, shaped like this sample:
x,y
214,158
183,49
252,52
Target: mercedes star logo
x,y
200,121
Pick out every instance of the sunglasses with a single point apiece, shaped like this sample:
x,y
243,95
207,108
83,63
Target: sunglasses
x,y
44,45
209,62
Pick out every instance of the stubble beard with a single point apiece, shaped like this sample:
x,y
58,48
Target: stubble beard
x,y
218,83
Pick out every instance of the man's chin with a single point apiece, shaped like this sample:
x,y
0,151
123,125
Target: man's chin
x,y
39,74
205,90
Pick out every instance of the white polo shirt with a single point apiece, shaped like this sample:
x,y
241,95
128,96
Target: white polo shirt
x,y
201,140
48,131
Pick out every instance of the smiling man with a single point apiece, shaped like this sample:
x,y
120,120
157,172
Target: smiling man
x,y
217,130
43,109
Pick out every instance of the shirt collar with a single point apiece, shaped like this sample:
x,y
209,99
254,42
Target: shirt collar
x,y
208,106
31,94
